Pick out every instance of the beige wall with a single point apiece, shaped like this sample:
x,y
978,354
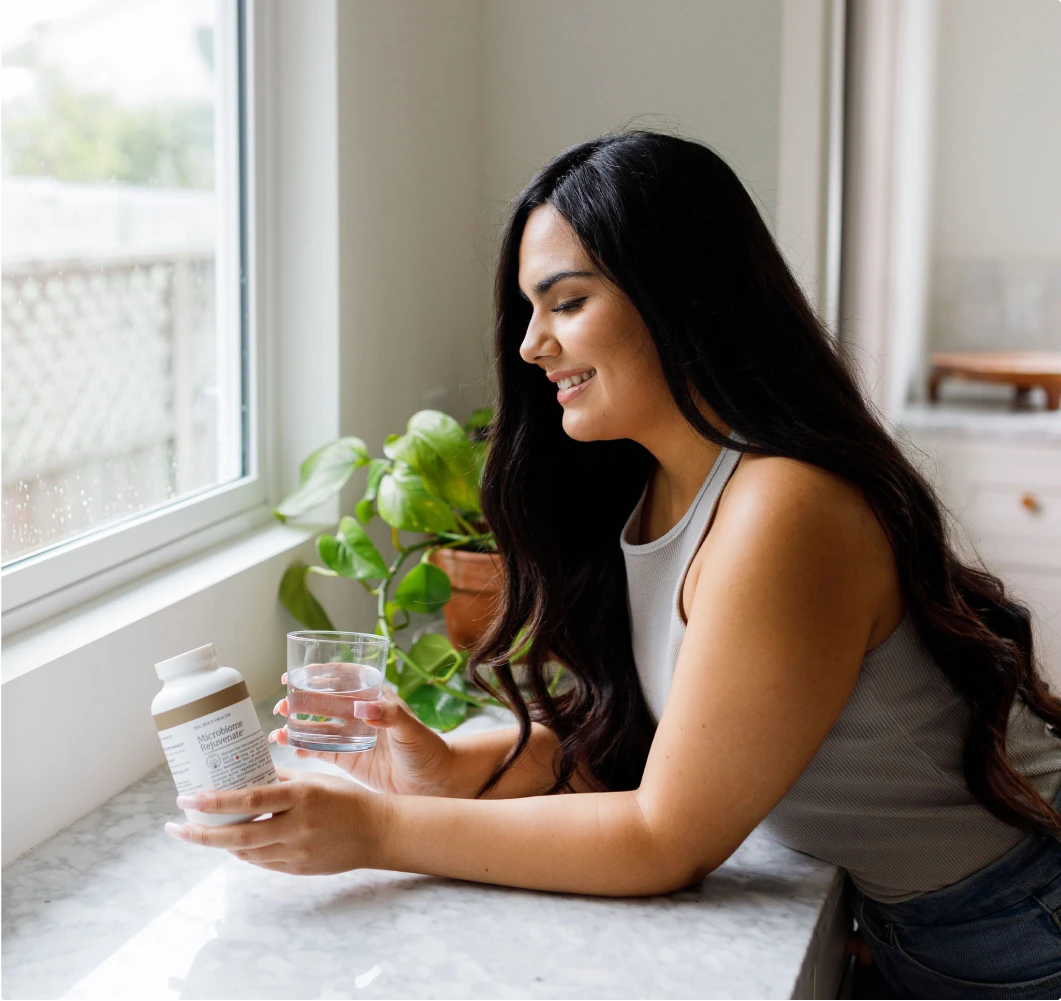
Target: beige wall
x,y
996,221
409,142
557,72
446,109
998,139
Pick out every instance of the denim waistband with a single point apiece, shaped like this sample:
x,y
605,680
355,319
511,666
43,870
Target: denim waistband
x,y
1025,867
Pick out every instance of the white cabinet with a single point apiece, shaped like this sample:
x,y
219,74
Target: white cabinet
x,y
1005,495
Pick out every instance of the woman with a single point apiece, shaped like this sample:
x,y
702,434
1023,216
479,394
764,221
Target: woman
x,y
751,589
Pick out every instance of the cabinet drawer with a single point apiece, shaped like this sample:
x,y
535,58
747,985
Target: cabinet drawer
x,y
1004,509
1004,494
1026,553
1014,465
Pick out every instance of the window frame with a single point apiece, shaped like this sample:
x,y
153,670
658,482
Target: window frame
x,y
34,587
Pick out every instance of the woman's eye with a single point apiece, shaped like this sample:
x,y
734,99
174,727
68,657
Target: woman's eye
x,y
570,306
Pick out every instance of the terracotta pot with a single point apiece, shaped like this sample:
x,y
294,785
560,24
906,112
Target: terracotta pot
x,y
476,582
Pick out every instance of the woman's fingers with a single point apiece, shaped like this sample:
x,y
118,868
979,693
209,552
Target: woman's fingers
x,y
371,712
272,854
390,711
315,728
254,800
333,704
257,834
282,737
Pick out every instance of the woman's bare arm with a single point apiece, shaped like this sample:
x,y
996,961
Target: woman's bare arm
x,y
474,757
783,607
789,591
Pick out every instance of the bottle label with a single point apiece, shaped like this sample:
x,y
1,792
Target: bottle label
x,y
216,742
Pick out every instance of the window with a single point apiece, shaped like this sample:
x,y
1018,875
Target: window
x,y
126,395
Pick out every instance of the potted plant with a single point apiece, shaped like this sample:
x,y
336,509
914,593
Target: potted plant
x,y
427,484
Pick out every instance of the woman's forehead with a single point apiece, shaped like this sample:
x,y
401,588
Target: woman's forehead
x,y
548,242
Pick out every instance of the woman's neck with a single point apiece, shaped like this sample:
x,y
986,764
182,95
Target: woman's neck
x,y
683,460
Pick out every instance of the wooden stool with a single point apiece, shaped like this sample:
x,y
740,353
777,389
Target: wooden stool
x,y
1023,369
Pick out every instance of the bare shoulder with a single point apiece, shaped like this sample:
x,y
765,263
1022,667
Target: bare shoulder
x,y
787,513
765,485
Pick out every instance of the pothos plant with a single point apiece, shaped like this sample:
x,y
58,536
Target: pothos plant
x,y
427,483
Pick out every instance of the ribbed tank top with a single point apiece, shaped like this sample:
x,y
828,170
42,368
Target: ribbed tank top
x,y
884,797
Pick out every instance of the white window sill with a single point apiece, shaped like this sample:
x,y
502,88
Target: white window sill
x,y
77,688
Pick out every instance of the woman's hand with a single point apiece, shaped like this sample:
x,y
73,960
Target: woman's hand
x,y
320,824
409,757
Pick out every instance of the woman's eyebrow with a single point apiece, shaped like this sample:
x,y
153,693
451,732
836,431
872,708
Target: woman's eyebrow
x,y
540,288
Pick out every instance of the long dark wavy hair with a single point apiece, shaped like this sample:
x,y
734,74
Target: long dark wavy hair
x,y
669,223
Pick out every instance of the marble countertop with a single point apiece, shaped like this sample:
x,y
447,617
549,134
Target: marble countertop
x,y
984,418
112,908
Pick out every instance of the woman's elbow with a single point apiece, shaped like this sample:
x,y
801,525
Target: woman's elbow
x,y
677,861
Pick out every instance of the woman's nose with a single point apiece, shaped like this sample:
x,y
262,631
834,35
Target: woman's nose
x,y
537,343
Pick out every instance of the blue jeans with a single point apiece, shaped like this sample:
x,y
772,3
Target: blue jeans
x,y
994,934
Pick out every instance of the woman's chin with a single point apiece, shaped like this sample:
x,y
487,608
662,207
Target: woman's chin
x,y
578,427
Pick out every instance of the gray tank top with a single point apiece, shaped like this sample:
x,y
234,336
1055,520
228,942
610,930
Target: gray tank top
x,y
884,797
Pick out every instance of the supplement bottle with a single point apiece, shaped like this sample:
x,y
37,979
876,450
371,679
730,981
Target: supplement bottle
x,y
209,730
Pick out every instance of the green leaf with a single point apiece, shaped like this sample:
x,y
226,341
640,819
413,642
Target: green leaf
x,y
434,653
525,641
423,589
480,453
363,508
408,682
297,599
323,474
404,503
392,669
391,610
351,553
479,419
436,707
437,447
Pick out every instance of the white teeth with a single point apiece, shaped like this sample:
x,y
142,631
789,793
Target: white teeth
x,y
575,380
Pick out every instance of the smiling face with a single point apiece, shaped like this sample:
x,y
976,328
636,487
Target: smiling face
x,y
585,329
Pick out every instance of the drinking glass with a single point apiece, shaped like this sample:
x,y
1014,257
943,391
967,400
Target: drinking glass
x,y
328,673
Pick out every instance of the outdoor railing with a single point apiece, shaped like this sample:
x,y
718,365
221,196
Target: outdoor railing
x,y
108,394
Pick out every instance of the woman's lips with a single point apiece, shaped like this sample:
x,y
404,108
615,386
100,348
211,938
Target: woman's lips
x,y
563,395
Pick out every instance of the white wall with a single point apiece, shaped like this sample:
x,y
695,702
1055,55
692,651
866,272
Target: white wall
x,y
998,132
378,294
409,138
446,110
558,72
996,222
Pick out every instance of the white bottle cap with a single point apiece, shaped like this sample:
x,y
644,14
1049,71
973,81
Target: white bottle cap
x,y
194,660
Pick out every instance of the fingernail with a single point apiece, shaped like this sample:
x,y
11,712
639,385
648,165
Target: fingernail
x,y
368,710
175,831
195,802
276,708
272,737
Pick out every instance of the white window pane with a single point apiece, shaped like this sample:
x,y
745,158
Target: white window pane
x,y
122,343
